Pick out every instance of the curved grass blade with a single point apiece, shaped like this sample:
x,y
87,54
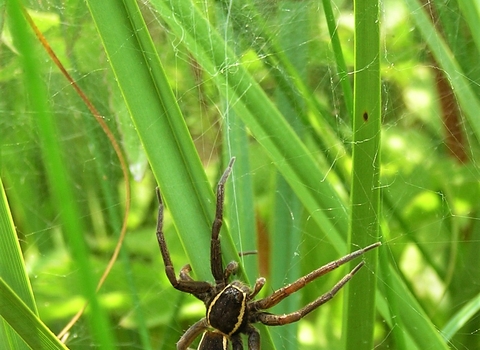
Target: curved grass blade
x,y
161,127
463,315
57,173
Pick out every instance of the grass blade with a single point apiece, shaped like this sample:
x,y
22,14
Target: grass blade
x,y
161,127
12,271
27,325
57,174
466,97
268,126
365,193
463,315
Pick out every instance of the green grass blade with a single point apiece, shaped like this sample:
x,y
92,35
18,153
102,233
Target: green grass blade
x,y
12,271
471,12
57,174
457,321
466,97
388,304
12,266
286,239
239,193
287,218
240,201
414,320
161,127
290,81
339,59
27,325
269,128
365,192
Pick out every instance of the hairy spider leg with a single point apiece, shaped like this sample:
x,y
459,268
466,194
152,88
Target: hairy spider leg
x,y
216,264
278,320
193,332
253,337
197,288
282,293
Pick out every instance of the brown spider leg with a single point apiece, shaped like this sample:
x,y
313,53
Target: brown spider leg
x,y
285,291
215,250
259,283
185,285
231,269
253,338
192,333
237,343
279,320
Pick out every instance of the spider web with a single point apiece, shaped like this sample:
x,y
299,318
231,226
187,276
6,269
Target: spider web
x,y
429,169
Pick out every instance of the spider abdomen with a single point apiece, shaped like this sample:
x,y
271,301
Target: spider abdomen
x,y
228,310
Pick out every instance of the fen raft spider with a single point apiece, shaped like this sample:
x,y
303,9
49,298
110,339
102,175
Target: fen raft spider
x,y
230,308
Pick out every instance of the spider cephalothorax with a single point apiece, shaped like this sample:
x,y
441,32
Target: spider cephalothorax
x,y
231,309
228,310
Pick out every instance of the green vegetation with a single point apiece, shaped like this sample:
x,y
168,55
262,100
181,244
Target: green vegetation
x,y
325,163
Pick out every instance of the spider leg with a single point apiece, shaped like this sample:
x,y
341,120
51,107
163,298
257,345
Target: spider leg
x,y
253,338
259,283
191,334
278,320
184,284
231,269
237,343
285,291
215,249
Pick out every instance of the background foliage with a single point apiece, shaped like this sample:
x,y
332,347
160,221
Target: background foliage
x,y
270,83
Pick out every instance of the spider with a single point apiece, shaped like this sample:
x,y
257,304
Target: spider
x,y
230,306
